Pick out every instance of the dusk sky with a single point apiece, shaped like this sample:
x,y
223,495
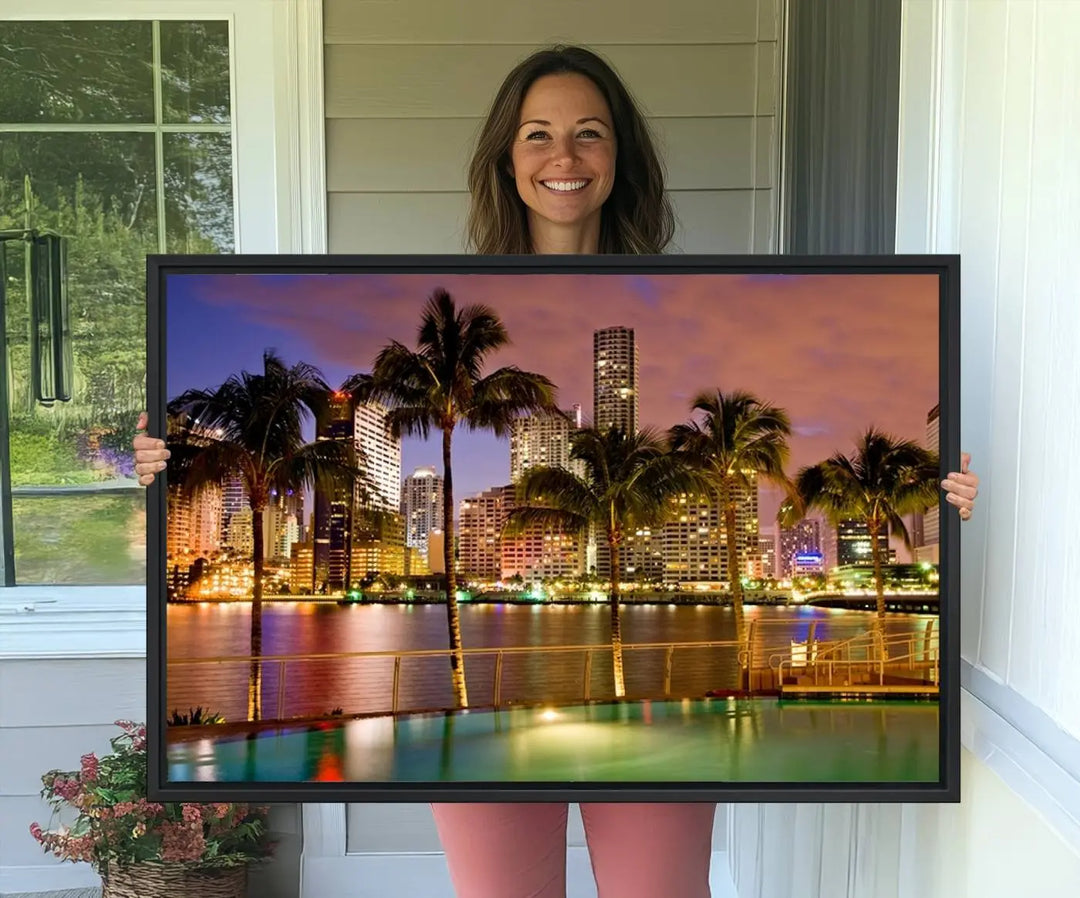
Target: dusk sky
x,y
839,352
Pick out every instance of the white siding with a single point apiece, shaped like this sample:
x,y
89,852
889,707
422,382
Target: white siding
x,y
989,137
407,85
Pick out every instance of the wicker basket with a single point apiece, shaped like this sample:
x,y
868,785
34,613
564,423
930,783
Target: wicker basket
x,y
156,880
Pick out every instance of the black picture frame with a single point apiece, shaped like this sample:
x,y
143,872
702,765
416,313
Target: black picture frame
x,y
947,789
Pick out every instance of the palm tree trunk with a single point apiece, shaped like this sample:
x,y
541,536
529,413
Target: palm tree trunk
x,y
453,618
879,574
616,621
734,574
255,675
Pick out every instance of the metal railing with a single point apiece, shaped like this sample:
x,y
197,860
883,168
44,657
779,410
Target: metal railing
x,y
283,663
760,650
878,666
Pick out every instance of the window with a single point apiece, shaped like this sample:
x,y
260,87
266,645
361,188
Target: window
x,y
118,136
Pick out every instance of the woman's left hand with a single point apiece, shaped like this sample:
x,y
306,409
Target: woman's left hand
x,y
962,487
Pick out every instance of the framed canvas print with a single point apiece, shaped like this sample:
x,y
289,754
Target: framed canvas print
x,y
554,528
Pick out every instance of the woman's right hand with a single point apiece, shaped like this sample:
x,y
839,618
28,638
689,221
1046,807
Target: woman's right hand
x,y
150,453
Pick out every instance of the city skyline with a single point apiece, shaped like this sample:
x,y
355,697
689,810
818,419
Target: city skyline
x,y
839,352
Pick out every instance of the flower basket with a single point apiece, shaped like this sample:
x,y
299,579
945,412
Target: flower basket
x,y
145,849
149,878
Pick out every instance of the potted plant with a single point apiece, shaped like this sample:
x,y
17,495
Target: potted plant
x,y
142,848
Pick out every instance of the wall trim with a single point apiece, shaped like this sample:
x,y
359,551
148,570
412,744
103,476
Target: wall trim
x,y
301,127
1020,742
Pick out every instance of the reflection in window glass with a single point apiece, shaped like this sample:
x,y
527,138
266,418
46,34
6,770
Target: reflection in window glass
x,y
87,540
57,72
195,72
198,193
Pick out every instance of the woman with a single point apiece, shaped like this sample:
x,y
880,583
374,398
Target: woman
x,y
565,164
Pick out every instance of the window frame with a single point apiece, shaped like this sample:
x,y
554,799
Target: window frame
x,y
277,103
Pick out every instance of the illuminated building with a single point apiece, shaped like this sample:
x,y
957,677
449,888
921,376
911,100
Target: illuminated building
x,y
422,506
695,538
543,439
615,379
482,518
379,454
301,568
193,521
764,566
803,538
927,546
853,544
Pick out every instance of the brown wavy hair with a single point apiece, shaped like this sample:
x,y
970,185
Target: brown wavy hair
x,y
637,217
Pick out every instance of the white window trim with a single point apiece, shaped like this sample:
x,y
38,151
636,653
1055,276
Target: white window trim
x,y
280,205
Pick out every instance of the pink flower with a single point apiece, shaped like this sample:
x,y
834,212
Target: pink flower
x,y
192,813
66,788
36,832
89,767
181,842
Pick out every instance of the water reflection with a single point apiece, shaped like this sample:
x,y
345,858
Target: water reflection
x,y
364,685
683,741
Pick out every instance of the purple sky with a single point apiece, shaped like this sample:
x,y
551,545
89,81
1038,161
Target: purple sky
x,y
839,352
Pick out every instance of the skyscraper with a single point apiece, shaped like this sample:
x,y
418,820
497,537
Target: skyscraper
x,y
422,506
543,439
926,548
380,455
333,518
615,379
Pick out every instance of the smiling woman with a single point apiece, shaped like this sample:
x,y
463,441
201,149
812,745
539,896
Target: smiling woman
x,y
563,117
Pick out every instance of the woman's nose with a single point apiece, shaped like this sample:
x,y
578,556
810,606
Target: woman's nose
x,y
564,149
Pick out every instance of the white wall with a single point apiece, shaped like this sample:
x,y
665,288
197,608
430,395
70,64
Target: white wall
x,y
989,142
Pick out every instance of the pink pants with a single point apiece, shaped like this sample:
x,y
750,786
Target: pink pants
x,y
519,850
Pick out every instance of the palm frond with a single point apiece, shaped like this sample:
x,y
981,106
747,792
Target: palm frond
x,y
500,397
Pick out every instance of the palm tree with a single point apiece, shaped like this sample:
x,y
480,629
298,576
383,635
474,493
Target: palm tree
x,y
884,479
251,427
739,438
441,385
627,482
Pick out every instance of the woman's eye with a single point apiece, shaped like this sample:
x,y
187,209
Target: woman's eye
x,y
533,135
589,132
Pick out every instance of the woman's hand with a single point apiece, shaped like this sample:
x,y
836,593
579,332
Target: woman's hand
x,y
150,453
961,488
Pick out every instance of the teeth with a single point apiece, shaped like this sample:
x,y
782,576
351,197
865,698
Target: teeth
x,y
565,185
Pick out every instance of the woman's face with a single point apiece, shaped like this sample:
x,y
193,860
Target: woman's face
x,y
563,154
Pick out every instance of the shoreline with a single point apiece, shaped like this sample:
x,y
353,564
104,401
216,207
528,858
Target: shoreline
x,y
915,602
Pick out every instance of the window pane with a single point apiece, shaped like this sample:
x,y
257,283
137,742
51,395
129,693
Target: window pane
x,y
76,72
198,193
195,72
99,191
84,539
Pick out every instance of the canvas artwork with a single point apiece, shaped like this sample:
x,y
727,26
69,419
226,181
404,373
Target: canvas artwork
x,y
493,529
